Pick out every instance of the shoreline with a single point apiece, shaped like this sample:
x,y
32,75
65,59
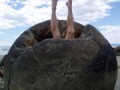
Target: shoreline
x,y
1,57
118,61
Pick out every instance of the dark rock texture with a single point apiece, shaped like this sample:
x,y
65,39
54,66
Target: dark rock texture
x,y
117,49
38,62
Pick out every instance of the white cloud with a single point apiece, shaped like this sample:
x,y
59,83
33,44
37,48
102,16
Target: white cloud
x,y
30,12
112,33
4,43
14,13
2,33
85,11
9,17
109,1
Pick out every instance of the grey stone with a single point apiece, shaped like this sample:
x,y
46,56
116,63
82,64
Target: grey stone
x,y
36,61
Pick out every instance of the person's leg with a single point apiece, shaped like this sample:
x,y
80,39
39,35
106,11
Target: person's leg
x,y
70,21
54,22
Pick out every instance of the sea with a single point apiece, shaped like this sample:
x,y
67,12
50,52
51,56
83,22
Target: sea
x,y
4,49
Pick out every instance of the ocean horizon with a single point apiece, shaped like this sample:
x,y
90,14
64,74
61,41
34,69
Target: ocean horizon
x,y
4,49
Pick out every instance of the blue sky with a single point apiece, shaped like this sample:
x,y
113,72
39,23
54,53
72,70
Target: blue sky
x,y
16,16
114,17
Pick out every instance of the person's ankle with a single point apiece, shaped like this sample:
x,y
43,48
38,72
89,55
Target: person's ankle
x,y
56,34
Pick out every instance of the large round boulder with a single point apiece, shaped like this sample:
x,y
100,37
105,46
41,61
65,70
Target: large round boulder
x,y
36,61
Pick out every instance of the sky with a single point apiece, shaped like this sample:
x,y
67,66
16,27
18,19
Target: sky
x,y
16,16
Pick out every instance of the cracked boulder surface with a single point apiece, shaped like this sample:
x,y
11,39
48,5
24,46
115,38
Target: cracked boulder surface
x,y
36,61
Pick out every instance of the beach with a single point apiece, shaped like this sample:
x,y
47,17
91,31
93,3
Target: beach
x,y
118,77
117,87
1,79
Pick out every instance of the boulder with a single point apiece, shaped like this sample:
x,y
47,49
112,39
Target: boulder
x,y
36,61
117,49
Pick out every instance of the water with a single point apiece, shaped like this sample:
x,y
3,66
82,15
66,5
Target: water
x,y
115,45
4,50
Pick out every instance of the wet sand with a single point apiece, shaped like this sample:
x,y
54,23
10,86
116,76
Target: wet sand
x,y
1,56
117,87
118,61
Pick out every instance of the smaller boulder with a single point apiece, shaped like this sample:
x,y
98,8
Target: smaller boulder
x,y
117,50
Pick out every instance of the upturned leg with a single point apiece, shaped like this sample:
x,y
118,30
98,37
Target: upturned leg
x,y
54,22
70,21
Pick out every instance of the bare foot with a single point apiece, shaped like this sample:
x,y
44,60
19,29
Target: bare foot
x,y
69,3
